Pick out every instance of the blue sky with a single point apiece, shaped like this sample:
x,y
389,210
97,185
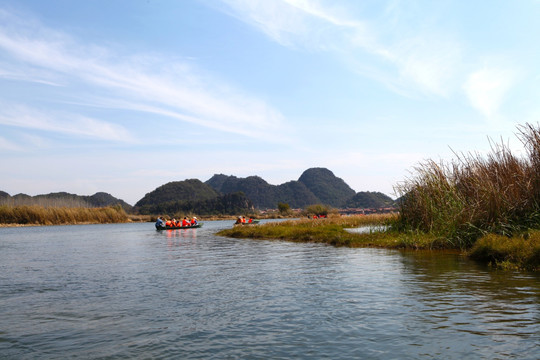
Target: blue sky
x,y
125,96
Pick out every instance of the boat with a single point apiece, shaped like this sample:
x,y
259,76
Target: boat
x,y
253,222
159,227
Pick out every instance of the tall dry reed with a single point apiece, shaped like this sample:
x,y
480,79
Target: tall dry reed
x,y
473,195
37,215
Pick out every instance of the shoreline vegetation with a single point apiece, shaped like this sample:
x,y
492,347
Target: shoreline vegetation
x,y
33,215
486,207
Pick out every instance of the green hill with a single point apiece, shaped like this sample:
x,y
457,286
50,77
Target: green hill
x,y
315,186
330,189
262,194
193,197
64,199
367,199
294,193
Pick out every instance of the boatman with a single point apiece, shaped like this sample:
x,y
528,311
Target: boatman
x,y
160,222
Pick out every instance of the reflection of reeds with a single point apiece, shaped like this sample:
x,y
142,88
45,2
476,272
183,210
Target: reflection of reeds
x,y
38,215
474,195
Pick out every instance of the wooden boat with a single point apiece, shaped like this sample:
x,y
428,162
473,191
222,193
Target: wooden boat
x,y
178,227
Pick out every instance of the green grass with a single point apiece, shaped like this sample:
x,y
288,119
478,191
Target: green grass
x,y
332,231
517,252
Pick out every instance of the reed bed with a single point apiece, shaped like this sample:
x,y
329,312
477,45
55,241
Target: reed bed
x,y
38,215
473,195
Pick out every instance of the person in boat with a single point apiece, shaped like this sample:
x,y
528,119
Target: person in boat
x,y
160,222
239,220
185,222
250,220
194,221
169,223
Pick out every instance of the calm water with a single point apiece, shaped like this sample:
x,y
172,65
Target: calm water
x,y
127,291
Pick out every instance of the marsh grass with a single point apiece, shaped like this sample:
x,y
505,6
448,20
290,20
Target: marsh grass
x,y
38,215
332,231
520,251
473,195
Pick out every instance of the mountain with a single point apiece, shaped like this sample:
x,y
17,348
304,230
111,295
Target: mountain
x,y
262,194
193,197
294,193
217,181
315,186
330,189
64,199
186,190
367,199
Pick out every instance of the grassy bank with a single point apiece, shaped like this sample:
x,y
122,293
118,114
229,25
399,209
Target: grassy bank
x,y
519,252
38,215
329,231
332,231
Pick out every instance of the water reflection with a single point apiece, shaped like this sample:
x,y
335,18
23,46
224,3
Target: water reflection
x,y
456,296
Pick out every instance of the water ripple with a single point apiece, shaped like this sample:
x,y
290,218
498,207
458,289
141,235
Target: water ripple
x,y
126,291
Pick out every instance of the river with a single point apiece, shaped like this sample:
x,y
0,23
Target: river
x,y
126,291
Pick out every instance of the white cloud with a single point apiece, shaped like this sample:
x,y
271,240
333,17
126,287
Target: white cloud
x,y
61,122
486,89
156,84
407,62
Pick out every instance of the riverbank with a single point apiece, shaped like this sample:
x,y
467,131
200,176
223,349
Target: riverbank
x,y
520,252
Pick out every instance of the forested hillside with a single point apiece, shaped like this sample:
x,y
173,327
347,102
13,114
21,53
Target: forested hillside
x,y
192,197
63,199
367,199
330,189
315,186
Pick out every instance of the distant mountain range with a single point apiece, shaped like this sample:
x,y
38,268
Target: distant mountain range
x,y
64,199
315,186
224,194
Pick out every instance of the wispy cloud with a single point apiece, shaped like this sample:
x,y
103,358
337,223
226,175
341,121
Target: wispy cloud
x,y
154,84
61,122
407,62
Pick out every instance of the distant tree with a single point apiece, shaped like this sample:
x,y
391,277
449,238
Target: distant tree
x,y
317,209
284,208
